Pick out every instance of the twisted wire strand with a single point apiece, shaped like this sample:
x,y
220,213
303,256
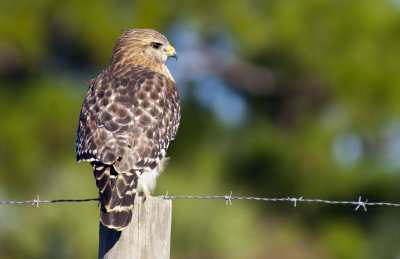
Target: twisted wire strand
x,y
228,199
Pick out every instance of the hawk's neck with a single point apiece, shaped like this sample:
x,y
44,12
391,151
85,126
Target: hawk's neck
x,y
156,67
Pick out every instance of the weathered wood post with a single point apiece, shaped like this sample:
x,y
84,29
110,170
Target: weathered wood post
x,y
147,236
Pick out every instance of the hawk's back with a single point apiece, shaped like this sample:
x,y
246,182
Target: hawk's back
x,y
128,118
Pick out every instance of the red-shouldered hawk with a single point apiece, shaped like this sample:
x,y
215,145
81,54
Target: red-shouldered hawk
x,y
129,116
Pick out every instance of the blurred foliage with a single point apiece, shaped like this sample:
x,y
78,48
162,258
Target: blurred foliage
x,y
330,129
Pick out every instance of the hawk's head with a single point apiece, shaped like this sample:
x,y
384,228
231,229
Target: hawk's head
x,y
142,47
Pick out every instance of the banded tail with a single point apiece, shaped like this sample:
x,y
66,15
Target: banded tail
x,y
117,195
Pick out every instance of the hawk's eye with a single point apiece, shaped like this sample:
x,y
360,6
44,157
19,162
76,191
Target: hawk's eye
x,y
156,45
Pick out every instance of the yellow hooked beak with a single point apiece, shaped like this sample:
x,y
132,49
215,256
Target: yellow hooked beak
x,y
172,53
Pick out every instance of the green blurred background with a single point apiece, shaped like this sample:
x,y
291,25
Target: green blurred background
x,y
279,98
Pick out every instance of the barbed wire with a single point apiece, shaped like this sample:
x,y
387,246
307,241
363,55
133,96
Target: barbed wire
x,y
37,201
228,200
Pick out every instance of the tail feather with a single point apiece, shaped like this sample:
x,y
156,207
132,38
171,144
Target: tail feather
x,y
117,220
117,194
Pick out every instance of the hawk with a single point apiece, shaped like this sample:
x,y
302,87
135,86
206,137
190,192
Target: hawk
x,y
129,116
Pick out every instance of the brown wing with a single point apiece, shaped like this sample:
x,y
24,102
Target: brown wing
x,y
128,119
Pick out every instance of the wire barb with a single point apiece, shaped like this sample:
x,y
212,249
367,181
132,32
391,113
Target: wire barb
x,y
165,196
36,201
295,200
228,199
361,204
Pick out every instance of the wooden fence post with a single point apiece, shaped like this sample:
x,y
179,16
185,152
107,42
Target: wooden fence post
x,y
147,236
